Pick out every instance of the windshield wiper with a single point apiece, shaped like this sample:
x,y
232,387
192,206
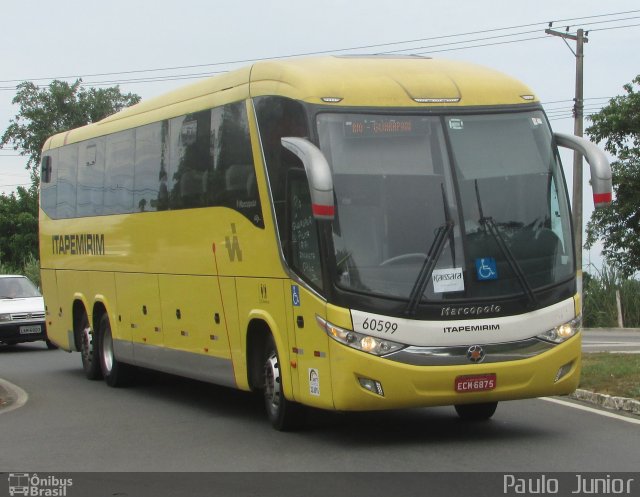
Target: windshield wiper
x,y
491,227
444,231
428,266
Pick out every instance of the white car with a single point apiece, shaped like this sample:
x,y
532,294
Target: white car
x,y
22,316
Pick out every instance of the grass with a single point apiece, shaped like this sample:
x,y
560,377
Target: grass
x,y
612,374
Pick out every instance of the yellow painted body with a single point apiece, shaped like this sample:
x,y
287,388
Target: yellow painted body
x,y
175,280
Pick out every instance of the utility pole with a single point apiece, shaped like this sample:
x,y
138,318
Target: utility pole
x,y
578,113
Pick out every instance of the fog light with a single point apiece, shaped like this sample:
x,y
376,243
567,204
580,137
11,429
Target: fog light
x,y
372,386
563,371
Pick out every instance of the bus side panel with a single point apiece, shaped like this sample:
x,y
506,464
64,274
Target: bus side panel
x,y
291,334
261,299
72,286
99,287
139,309
237,340
312,354
56,331
192,315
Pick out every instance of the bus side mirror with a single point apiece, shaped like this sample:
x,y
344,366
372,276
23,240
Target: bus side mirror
x,y
318,174
45,169
598,162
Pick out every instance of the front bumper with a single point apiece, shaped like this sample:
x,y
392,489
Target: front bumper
x,y
407,385
22,331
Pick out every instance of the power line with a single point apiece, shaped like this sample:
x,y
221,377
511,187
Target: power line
x,y
338,50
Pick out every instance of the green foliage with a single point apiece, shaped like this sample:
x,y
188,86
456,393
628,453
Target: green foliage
x,y
618,226
599,293
19,227
612,374
45,111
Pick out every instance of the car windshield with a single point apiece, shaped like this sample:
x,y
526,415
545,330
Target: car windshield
x,y
446,207
17,287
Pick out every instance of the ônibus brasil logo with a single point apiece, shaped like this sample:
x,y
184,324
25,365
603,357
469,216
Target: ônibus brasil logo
x,y
36,486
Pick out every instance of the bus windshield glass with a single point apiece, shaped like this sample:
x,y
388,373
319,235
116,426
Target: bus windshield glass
x,y
433,208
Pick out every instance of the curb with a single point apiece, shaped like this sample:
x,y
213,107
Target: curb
x,y
11,396
630,406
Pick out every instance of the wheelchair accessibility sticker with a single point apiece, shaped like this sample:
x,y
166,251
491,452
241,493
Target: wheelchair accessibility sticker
x,y
486,269
295,295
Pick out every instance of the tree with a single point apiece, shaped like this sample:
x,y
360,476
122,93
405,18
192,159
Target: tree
x,y
45,111
19,227
618,226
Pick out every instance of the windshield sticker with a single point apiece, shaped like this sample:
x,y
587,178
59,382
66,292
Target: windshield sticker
x,y
536,121
486,269
456,124
448,280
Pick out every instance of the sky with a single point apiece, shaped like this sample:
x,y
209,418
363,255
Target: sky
x,y
108,43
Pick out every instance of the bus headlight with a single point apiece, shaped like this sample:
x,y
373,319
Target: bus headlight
x,y
359,341
563,332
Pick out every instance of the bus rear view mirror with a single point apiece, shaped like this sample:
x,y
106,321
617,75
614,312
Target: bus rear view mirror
x,y
318,174
598,162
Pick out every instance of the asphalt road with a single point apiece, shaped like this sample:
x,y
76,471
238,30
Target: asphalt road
x,y
611,340
164,423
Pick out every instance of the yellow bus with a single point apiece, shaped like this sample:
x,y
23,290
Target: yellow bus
x,y
343,233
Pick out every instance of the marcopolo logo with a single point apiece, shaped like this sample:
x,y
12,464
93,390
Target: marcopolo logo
x,y
38,486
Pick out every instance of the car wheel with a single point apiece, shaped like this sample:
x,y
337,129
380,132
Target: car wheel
x,y
89,350
283,414
115,373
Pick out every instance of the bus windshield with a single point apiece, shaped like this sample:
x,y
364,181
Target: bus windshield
x,y
433,208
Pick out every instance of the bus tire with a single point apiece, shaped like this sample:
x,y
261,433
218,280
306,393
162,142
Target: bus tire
x,y
89,350
283,414
115,373
476,412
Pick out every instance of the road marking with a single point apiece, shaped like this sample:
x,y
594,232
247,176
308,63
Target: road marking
x,y
20,394
593,410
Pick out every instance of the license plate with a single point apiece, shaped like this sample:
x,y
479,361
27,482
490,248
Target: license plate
x,y
475,383
30,330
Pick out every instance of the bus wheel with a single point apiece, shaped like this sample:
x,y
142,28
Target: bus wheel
x,y
283,414
89,350
116,373
476,412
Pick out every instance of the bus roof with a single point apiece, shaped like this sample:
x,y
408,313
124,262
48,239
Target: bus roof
x,y
347,81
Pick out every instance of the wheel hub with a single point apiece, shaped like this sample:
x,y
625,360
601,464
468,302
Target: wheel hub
x,y
272,382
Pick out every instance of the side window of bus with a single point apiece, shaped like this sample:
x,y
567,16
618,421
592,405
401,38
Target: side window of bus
x,y
67,177
49,189
151,165
302,247
191,162
90,193
118,195
233,183
279,117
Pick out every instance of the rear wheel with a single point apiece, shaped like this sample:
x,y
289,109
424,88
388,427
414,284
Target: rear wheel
x,y
476,412
89,350
116,373
283,414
